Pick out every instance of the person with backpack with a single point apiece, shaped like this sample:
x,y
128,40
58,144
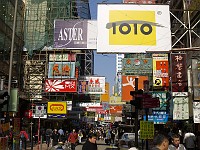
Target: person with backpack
x,y
23,137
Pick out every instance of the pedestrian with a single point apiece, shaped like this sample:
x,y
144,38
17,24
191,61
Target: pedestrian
x,y
160,142
176,143
73,137
55,137
48,136
90,144
80,135
189,140
23,137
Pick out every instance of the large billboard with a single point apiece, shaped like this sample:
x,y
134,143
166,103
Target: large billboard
x,y
75,34
67,85
128,84
132,28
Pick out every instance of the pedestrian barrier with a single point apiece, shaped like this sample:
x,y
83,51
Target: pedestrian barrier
x,y
3,143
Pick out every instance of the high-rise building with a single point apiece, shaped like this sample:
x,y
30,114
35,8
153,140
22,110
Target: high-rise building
x,y
119,58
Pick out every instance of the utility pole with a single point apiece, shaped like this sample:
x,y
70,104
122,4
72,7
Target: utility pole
x,y
136,103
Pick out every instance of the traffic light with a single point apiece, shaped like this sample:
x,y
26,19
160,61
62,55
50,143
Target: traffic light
x,y
3,98
138,97
137,102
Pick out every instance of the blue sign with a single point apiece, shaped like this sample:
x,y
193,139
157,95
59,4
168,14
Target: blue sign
x,y
158,117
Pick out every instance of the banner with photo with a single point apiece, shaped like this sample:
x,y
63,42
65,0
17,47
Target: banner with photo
x,y
196,112
181,108
179,77
160,70
61,70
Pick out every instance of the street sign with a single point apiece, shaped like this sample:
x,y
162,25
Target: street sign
x,y
150,102
39,111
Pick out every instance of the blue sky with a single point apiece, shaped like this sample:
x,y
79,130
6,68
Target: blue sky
x,y
104,64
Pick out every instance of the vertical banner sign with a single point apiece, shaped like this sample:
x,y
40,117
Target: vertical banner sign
x,y
196,112
146,130
181,108
179,72
105,97
160,70
196,78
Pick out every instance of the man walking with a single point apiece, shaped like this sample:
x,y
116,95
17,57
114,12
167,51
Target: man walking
x,y
90,144
176,143
73,137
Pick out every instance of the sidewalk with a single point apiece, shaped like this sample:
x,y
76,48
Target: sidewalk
x,y
42,146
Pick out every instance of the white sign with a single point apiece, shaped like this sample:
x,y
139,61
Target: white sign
x,y
179,93
181,108
130,28
39,111
196,112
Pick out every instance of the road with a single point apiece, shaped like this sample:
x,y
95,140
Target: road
x,y
101,146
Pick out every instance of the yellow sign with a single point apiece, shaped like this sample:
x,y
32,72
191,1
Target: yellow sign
x,y
57,108
146,130
128,27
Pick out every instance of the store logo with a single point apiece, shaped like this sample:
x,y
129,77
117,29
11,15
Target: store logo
x,y
132,27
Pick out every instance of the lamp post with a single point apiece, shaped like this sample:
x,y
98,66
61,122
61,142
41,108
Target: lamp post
x,y
11,61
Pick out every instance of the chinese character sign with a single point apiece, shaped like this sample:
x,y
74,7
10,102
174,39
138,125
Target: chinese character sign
x,y
181,108
179,72
196,112
160,70
146,130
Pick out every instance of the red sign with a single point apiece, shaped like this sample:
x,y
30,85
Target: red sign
x,y
52,85
150,102
28,113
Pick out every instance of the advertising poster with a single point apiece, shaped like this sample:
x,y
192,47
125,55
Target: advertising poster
x,y
179,72
160,70
96,85
61,70
62,57
130,28
196,112
57,108
68,85
196,78
75,34
181,108
128,84
137,65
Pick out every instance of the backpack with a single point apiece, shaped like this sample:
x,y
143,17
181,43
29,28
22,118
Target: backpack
x,y
22,136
